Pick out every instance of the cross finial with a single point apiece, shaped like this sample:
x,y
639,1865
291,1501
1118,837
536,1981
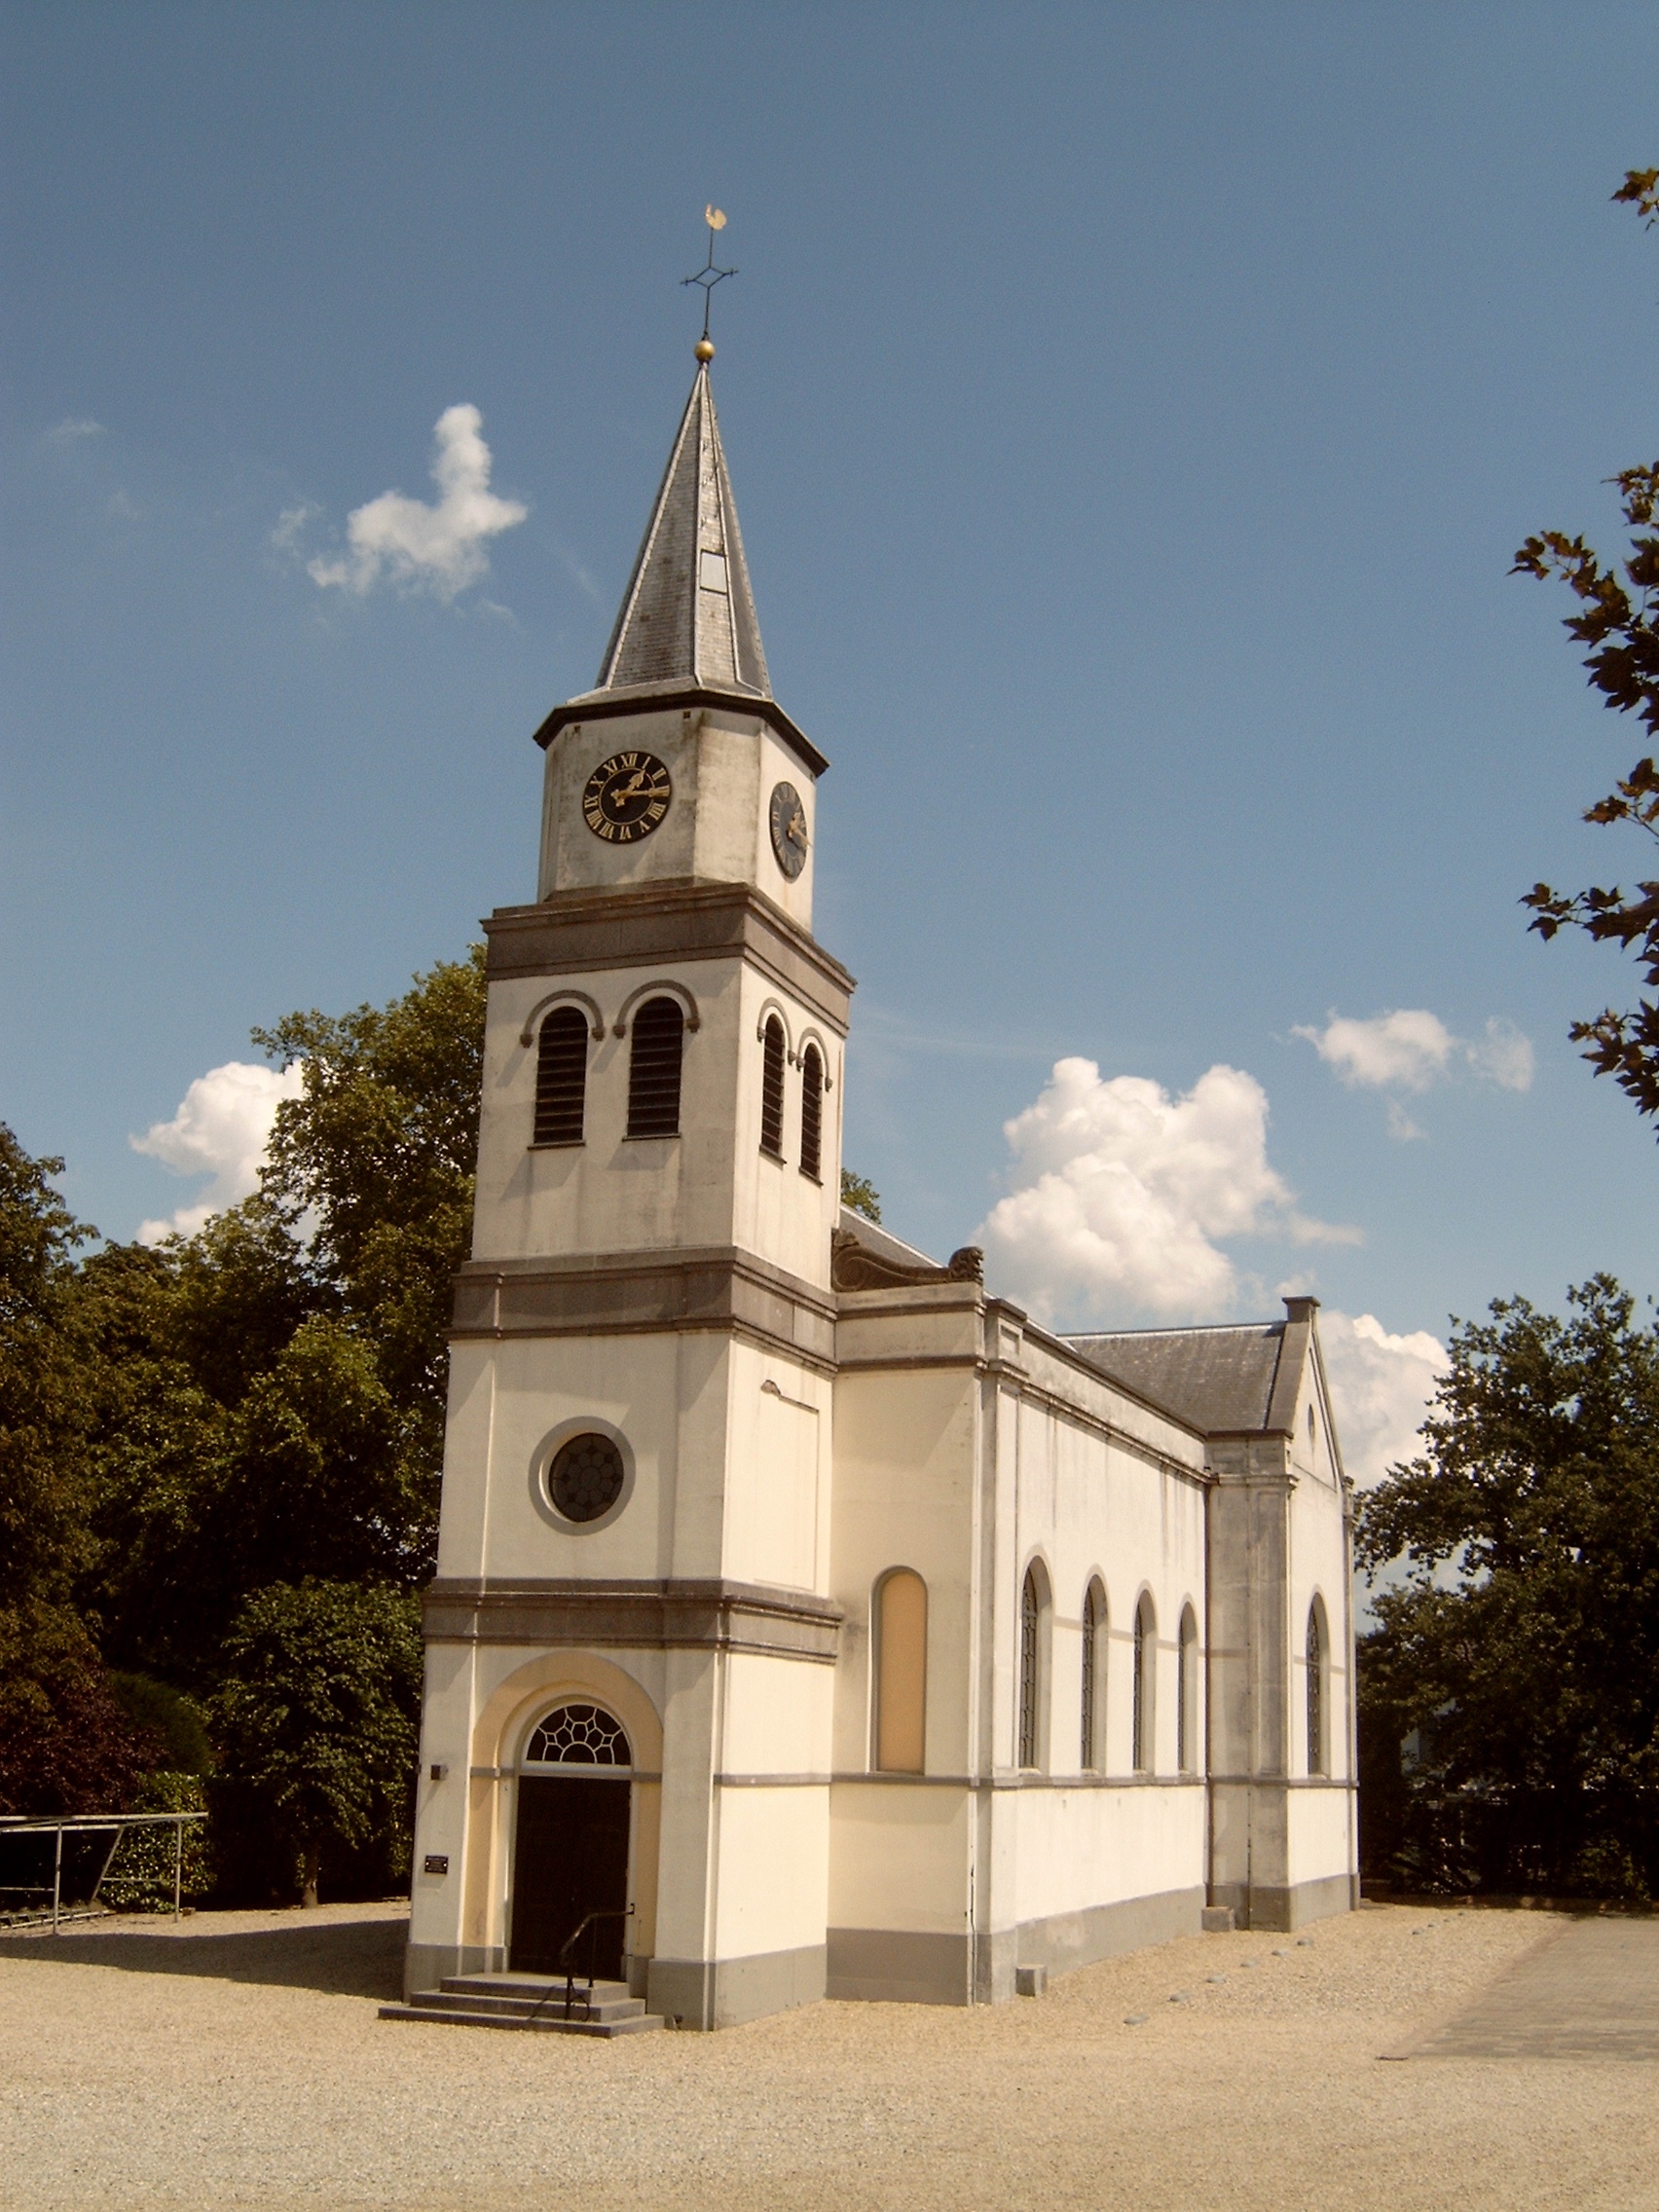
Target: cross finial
x,y
707,276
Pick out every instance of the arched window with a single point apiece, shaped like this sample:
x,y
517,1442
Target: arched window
x,y
811,1111
653,1071
1094,1676
1318,1755
579,1735
1032,1596
1187,1706
1145,1715
901,1672
561,1076
772,1088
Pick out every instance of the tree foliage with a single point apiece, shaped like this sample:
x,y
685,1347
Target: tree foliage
x,y
1519,1653
1616,622
861,1195
254,1409
318,1715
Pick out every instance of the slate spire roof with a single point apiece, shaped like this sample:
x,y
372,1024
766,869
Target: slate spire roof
x,y
687,616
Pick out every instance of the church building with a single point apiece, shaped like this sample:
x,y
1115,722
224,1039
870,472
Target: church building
x,y
808,1621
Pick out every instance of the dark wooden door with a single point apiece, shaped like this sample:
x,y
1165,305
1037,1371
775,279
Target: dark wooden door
x,y
570,1859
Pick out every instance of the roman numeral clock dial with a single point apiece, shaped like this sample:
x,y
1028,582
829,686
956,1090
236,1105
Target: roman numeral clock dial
x,y
626,797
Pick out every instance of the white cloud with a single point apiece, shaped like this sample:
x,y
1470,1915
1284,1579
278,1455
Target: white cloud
x,y
1503,1056
73,429
438,548
1121,1192
1410,1048
221,1129
1381,1385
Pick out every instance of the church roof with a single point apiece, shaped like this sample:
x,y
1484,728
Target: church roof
x,y
687,616
1225,1381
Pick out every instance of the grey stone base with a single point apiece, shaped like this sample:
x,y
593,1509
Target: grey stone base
x,y
900,1967
907,1966
722,1993
1273,1910
426,1964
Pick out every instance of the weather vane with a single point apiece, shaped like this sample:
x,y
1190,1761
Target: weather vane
x,y
709,276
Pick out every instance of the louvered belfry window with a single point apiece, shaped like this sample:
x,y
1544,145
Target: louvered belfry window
x,y
653,1072
811,1111
772,1089
561,1076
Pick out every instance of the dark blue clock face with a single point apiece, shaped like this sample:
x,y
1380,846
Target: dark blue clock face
x,y
788,819
626,797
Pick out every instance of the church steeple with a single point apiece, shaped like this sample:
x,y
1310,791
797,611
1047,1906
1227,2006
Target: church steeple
x,y
687,616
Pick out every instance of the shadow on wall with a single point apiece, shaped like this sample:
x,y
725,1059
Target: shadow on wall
x,y
341,1958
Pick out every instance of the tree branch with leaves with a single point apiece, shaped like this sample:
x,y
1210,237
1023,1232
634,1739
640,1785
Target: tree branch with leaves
x,y
1619,623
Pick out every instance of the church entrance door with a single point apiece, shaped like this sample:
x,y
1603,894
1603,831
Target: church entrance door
x,y
571,1846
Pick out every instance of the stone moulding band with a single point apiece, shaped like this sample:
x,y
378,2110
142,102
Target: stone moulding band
x,y
683,921
624,1293
564,1613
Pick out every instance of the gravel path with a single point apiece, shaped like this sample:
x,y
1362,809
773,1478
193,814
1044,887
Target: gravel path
x,y
238,2062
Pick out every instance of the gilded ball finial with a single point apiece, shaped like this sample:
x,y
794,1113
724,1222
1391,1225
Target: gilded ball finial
x,y
704,348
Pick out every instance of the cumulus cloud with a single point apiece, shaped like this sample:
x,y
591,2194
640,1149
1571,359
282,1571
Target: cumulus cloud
x,y
1120,1194
220,1130
437,547
1381,1385
1410,1049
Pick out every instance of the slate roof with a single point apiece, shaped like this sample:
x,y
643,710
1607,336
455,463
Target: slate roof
x,y
1221,1380
687,617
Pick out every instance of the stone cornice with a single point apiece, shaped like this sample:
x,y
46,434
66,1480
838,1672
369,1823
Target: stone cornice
x,y
682,920
684,1615
652,699
716,1287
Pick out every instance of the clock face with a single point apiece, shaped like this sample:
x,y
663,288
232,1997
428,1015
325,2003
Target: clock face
x,y
789,830
626,797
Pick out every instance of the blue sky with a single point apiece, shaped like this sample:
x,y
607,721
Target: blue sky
x,y
1132,413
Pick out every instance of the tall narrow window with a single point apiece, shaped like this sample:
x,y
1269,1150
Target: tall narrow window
x,y
1093,1670
1030,1623
1316,1753
772,1088
901,1672
1145,1682
811,1111
561,1076
1187,1692
653,1071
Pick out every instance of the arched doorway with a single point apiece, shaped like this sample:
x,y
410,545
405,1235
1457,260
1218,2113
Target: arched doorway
x,y
571,1844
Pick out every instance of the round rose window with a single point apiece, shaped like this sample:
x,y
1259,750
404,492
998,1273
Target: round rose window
x,y
585,1479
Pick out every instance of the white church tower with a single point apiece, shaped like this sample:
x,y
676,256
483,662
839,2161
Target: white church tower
x,y
632,1605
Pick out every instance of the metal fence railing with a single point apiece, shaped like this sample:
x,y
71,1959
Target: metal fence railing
x,y
95,1842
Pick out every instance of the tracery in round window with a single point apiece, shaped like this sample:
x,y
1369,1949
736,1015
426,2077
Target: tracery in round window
x,y
579,1735
586,1477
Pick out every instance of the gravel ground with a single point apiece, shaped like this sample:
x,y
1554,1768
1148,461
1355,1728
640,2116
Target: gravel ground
x,y
240,2062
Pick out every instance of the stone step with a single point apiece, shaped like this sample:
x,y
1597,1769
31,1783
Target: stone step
x,y
550,2006
445,2014
531,1987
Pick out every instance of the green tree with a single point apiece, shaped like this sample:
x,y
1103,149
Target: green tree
x,y
860,1194
316,1717
1519,1653
376,1159
271,1391
43,1540
1616,622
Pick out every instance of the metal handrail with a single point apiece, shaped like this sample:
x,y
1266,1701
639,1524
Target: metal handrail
x,y
587,1921
93,1824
